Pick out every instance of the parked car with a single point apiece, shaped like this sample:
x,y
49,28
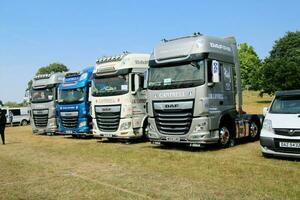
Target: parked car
x,y
280,135
21,116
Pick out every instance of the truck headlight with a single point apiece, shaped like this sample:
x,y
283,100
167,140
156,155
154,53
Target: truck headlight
x,y
267,125
202,126
125,126
82,124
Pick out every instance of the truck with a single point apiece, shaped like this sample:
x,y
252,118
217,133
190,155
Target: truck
x,y
20,115
73,104
118,97
43,103
280,135
192,86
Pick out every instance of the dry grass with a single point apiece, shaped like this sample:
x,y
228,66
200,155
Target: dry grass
x,y
42,167
253,103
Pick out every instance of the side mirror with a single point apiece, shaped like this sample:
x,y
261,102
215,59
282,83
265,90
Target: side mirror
x,y
145,79
215,71
89,94
265,110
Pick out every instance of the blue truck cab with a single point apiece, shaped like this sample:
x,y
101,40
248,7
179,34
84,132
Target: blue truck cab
x,y
73,104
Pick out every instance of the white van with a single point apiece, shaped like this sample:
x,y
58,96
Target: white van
x,y
21,116
280,135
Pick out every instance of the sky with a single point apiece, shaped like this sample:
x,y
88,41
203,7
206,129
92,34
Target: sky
x,y
36,33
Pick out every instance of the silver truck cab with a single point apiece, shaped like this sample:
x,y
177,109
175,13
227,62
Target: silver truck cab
x,y
192,93
43,103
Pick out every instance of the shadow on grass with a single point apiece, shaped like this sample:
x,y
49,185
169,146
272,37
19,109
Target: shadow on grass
x,y
70,137
122,141
204,148
270,157
184,147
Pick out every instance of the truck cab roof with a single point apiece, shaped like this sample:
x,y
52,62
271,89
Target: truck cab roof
x,y
44,80
76,79
126,61
193,47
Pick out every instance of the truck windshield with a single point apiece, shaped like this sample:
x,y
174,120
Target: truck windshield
x,y
42,95
110,86
286,105
177,76
71,95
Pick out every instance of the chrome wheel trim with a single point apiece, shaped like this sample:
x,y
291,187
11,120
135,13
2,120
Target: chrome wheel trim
x,y
253,130
224,135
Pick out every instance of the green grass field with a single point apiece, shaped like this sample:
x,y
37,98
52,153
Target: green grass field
x,y
42,167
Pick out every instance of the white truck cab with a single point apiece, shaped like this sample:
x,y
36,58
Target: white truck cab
x,y
118,96
280,135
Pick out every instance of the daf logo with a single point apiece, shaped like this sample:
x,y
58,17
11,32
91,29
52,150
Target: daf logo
x,y
68,114
291,132
106,109
171,106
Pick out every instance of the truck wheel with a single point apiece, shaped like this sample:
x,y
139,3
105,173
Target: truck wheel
x,y
254,131
226,136
144,136
24,122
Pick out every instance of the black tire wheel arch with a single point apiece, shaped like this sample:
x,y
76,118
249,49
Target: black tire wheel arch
x,y
226,134
24,122
254,129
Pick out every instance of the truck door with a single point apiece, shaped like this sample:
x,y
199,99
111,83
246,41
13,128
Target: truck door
x,y
215,92
228,90
138,100
215,89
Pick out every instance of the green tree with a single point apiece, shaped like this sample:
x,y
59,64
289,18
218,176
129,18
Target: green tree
x,y
51,68
281,70
250,66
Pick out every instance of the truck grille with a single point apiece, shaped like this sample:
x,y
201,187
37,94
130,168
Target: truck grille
x,y
284,149
40,118
173,121
287,132
69,119
108,118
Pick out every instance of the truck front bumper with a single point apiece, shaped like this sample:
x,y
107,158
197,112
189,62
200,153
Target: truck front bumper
x,y
196,136
50,128
125,133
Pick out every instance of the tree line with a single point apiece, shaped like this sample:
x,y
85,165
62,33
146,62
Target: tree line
x,y
279,71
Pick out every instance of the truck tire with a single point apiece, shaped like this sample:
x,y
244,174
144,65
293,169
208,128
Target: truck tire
x,y
254,130
226,135
24,122
144,136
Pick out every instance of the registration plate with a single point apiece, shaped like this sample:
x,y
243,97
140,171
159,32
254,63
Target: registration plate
x,y
107,135
289,145
69,132
173,139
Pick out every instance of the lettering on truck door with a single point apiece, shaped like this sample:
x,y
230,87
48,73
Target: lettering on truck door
x,y
215,94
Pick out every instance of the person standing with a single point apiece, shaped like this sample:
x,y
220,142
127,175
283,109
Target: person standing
x,y
11,118
2,125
